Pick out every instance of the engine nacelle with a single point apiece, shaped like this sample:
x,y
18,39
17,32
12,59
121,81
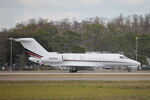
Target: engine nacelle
x,y
36,60
52,59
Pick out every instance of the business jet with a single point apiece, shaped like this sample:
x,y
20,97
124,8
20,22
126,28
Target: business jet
x,y
73,60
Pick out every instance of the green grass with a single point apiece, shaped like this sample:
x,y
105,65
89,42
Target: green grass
x,y
74,90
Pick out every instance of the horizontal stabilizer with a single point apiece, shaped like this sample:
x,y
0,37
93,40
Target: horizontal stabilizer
x,y
23,40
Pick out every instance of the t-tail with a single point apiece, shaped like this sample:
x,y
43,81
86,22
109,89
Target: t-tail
x,y
33,48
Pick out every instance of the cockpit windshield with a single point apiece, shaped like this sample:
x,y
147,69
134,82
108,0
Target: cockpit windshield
x,y
124,57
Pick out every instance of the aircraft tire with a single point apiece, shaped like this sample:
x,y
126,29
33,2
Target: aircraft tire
x,y
73,70
129,69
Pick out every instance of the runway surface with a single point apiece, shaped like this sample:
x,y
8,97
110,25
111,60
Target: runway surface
x,y
15,73
73,76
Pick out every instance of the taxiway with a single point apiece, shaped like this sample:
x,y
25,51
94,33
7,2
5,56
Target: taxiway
x,y
41,76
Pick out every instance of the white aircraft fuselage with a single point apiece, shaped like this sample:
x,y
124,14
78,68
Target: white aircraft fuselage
x,y
73,60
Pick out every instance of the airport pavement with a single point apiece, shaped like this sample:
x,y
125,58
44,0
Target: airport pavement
x,y
72,78
21,76
39,73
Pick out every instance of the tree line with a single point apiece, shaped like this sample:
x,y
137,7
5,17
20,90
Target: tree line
x,y
116,35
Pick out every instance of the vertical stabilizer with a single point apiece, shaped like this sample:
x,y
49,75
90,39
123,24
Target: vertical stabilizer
x,y
33,47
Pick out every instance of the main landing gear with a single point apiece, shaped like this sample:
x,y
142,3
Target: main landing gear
x,y
129,69
73,70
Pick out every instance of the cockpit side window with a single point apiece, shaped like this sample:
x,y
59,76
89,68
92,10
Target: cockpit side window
x,y
121,57
124,57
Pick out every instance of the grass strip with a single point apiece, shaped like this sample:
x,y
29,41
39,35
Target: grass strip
x,y
74,90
